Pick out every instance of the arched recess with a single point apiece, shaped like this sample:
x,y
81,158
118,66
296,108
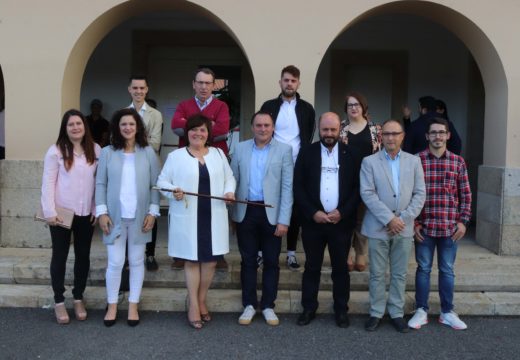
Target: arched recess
x,y
101,26
492,87
2,114
485,55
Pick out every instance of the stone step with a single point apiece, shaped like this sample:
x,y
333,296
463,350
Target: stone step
x,y
229,300
476,270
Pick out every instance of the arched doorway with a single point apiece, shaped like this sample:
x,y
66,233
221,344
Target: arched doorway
x,y
400,51
165,41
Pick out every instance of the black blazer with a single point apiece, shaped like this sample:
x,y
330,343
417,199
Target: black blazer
x,y
305,115
307,178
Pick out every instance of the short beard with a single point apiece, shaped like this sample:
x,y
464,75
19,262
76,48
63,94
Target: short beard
x,y
327,145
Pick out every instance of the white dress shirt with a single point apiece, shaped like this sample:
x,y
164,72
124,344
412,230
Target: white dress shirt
x,y
329,184
286,128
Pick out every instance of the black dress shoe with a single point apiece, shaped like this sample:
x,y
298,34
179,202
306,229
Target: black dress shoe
x,y
372,323
400,325
306,317
132,323
151,263
342,319
109,323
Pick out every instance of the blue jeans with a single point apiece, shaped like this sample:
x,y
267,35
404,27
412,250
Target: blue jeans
x,y
446,254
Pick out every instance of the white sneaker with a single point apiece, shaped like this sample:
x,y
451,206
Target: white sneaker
x,y
270,317
247,315
452,319
419,319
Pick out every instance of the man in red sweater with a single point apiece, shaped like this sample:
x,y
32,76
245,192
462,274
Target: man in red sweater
x,y
203,103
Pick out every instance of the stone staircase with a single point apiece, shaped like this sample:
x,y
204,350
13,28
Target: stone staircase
x,y
486,284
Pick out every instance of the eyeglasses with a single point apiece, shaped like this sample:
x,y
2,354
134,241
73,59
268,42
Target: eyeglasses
x,y
394,133
207,83
440,133
354,105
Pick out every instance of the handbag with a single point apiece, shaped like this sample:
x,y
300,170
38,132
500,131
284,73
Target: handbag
x,y
66,215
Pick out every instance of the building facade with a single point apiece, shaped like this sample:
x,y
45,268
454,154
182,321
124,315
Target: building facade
x,y
60,54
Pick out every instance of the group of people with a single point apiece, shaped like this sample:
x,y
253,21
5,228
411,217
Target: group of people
x,y
354,191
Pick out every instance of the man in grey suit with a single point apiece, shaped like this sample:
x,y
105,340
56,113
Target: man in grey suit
x,y
263,169
392,188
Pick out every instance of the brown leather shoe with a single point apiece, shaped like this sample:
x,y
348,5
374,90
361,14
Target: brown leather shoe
x,y
177,264
361,263
79,310
222,264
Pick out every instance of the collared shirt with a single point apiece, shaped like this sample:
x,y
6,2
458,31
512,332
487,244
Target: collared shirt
x,y
448,194
329,184
257,171
141,110
394,169
286,129
203,104
73,189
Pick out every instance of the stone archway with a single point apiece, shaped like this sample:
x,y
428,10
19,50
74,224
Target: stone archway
x,y
490,226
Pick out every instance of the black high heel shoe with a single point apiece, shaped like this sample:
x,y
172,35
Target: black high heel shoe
x,y
109,323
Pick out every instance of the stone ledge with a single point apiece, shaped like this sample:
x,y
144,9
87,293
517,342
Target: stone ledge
x,y
153,299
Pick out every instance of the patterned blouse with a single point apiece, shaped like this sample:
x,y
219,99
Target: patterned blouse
x,y
375,134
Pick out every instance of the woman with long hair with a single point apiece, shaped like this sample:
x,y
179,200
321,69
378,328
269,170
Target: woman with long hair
x,y
198,226
68,182
360,133
126,206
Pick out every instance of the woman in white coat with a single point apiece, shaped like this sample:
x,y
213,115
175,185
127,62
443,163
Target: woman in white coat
x,y
198,226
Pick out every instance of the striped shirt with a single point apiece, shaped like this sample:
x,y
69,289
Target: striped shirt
x,y
448,194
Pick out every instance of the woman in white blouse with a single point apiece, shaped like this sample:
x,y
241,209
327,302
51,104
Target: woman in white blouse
x,y
126,206
68,182
198,226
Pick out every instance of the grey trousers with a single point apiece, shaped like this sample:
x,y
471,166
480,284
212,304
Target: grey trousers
x,y
396,250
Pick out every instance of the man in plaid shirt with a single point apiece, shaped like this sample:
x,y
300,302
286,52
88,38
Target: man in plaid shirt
x,y
441,224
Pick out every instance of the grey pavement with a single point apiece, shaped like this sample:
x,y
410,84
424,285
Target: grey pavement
x,y
29,333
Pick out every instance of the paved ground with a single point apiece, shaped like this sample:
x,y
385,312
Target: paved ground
x,y
32,334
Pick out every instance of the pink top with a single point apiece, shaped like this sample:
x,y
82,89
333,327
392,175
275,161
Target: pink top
x,y
73,189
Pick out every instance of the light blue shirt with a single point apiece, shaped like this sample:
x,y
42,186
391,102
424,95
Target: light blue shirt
x,y
394,168
257,171
203,105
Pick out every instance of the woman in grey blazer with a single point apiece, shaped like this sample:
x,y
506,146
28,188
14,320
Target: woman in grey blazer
x,y
126,206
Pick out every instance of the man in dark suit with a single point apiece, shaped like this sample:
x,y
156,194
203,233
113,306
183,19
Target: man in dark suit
x,y
326,191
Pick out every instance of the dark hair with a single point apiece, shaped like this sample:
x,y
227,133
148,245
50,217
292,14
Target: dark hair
x,y
65,145
362,101
441,105
204,70
138,77
196,121
427,102
291,69
96,102
116,139
440,121
392,120
261,113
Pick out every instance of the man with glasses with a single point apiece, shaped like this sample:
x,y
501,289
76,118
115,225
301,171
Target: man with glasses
x,y
294,125
326,190
216,110
392,188
206,104
442,223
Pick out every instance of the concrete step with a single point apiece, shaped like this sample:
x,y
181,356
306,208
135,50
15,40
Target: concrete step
x,y
476,269
229,300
